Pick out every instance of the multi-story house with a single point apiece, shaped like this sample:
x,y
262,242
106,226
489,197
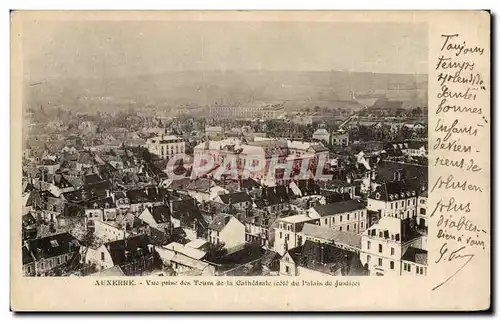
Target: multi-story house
x,y
228,230
422,214
166,147
287,235
384,245
101,209
394,199
42,255
347,216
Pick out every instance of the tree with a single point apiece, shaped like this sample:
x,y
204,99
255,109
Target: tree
x,y
399,112
216,251
416,111
316,109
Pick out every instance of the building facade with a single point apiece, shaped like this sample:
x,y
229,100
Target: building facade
x,y
166,147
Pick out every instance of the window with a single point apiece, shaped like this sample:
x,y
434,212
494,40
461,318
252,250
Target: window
x,y
380,234
402,203
354,215
396,205
333,220
348,227
281,235
361,224
422,211
348,217
392,205
54,243
341,218
380,262
340,229
102,256
41,265
380,248
368,258
287,269
414,201
368,244
409,268
326,221
354,226
392,251
392,265
408,202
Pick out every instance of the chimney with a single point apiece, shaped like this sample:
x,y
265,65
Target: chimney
x,y
171,205
321,254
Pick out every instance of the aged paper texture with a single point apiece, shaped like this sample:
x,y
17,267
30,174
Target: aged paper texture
x,y
250,161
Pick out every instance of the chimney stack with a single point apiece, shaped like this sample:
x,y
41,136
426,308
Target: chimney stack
x,y
322,254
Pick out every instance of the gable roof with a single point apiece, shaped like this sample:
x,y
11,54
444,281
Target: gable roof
x,y
53,245
220,222
416,255
188,213
347,238
321,131
28,219
396,190
339,207
320,257
112,271
131,245
101,203
235,198
92,178
161,214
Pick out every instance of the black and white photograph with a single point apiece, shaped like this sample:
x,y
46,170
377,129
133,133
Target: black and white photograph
x,y
224,148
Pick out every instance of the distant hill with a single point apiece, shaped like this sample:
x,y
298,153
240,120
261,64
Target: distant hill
x,y
208,87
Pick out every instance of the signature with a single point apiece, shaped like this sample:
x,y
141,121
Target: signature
x,y
446,255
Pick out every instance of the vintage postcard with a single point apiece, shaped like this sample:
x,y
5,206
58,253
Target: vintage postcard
x,y
250,161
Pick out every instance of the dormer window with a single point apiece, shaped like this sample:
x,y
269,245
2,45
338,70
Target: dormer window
x,y
106,205
95,205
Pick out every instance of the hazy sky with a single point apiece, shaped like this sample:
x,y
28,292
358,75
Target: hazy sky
x,y
100,49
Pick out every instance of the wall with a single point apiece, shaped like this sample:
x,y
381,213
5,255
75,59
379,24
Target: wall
x,y
355,221
233,235
45,265
107,232
373,255
413,269
94,257
287,262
